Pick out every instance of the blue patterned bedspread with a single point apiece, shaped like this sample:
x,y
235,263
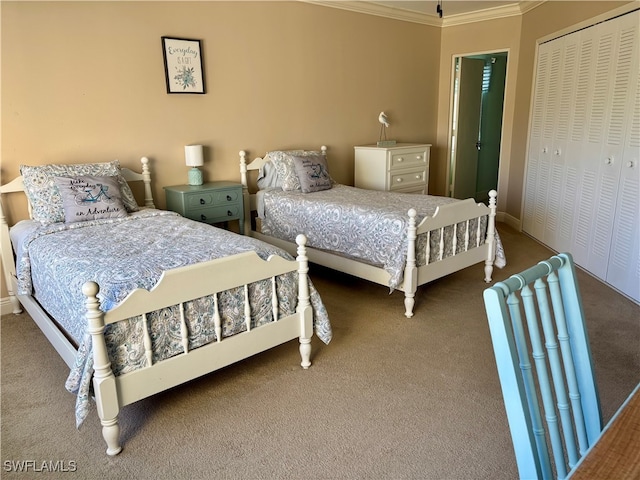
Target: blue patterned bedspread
x,y
366,225
120,255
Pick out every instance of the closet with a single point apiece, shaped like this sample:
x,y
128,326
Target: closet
x,y
582,180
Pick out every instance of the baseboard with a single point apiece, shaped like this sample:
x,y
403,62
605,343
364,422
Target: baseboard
x,y
6,306
513,222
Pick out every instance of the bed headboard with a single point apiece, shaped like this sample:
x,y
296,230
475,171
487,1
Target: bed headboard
x,y
250,198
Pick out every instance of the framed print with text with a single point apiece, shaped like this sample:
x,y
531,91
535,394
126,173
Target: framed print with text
x,y
183,65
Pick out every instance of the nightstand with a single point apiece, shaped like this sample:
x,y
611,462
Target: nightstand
x,y
213,202
403,167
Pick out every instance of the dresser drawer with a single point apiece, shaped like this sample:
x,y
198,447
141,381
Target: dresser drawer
x,y
403,180
215,214
408,159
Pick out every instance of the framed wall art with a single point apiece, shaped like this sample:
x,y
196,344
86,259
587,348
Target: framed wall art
x,y
183,65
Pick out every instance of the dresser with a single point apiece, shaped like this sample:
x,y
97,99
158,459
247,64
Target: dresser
x,y
403,167
213,202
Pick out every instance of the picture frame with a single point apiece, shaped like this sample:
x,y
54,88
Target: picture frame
x,y
183,65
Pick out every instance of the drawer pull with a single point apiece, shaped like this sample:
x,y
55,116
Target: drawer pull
x,y
203,217
229,213
399,180
418,157
202,201
418,177
229,198
400,159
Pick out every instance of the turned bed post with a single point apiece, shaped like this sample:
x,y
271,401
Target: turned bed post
x,y
146,174
410,271
8,260
245,192
104,382
304,306
491,237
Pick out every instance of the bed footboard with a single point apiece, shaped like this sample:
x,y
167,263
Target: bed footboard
x,y
176,287
475,247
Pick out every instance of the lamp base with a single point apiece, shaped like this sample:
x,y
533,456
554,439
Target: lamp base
x,y
195,176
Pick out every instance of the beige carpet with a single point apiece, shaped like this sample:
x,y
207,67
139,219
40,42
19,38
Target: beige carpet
x,y
389,398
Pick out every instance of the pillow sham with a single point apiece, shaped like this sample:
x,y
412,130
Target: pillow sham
x,y
87,197
268,177
283,161
44,196
313,173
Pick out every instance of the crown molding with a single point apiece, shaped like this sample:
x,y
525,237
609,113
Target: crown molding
x,y
371,8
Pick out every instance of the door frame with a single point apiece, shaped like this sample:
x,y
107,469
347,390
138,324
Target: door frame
x,y
452,102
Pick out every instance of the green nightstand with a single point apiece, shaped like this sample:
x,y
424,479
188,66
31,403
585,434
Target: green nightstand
x,y
213,202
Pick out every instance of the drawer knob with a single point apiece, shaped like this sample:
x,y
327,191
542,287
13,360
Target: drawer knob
x,y
229,213
418,157
202,202
229,198
203,217
399,180
418,177
400,159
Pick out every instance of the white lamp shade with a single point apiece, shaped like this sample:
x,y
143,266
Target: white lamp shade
x,y
193,155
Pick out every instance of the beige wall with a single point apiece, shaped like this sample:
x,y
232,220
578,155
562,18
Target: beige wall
x,y
84,82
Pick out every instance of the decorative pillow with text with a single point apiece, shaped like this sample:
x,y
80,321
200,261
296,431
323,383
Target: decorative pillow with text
x,y
87,197
313,173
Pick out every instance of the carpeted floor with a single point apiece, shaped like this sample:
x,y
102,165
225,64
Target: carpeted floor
x,y
388,398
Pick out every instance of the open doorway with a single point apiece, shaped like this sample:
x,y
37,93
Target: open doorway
x,y
476,124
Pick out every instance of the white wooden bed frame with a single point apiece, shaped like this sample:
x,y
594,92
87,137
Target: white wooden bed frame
x,y
175,287
414,276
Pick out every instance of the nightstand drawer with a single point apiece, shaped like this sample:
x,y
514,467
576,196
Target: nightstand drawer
x,y
215,214
206,199
408,159
407,179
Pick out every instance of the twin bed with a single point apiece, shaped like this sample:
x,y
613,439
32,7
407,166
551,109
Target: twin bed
x,y
137,300
394,239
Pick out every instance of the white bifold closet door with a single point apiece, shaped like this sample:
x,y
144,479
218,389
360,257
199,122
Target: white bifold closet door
x,y
582,179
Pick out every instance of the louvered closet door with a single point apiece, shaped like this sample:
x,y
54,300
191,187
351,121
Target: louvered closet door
x,y
582,183
537,176
610,114
624,262
599,176
564,158
551,184
581,200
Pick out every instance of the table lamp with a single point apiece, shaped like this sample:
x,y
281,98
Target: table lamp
x,y
194,158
